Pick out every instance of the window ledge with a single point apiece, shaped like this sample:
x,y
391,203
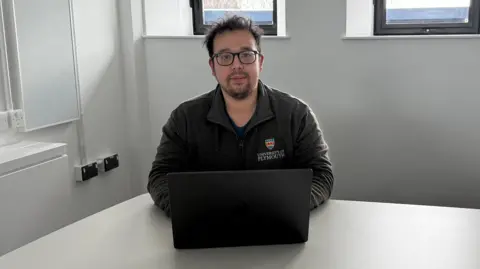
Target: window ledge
x,y
392,37
203,37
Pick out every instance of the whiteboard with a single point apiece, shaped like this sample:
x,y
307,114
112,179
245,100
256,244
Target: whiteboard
x,y
43,62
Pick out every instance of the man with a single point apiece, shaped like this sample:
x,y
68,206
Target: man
x,y
242,124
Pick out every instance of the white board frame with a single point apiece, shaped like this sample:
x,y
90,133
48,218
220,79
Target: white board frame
x,y
43,62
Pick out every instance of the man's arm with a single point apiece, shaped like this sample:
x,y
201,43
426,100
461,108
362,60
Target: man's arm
x,y
311,151
170,157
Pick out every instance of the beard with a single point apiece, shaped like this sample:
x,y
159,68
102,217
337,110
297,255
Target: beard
x,y
238,91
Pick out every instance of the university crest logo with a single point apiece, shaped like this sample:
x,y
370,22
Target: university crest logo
x,y
270,143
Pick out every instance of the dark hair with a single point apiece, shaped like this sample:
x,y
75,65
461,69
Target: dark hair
x,y
232,23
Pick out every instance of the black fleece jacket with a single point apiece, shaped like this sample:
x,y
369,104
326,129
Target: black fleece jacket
x,y
282,134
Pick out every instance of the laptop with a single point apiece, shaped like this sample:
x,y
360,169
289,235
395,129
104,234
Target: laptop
x,y
240,208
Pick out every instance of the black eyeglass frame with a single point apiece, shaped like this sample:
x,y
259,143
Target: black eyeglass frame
x,y
235,54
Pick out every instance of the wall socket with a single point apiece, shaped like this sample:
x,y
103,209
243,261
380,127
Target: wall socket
x,y
91,170
108,163
86,172
17,119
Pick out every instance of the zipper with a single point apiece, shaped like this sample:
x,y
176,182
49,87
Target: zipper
x,y
241,146
241,140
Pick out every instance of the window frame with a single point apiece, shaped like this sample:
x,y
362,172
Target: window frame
x,y
381,27
200,29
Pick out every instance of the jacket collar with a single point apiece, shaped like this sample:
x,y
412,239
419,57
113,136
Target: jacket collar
x,y
263,112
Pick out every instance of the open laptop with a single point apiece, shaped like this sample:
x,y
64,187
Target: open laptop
x,y
240,208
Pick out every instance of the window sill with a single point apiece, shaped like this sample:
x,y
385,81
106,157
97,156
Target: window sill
x,y
393,37
203,36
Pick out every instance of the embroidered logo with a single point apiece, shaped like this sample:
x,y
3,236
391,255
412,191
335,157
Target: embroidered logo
x,y
271,155
270,143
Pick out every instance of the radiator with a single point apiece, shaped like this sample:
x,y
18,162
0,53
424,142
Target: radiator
x,y
35,187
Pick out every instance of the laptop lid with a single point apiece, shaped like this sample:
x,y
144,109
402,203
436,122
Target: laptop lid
x,y
240,208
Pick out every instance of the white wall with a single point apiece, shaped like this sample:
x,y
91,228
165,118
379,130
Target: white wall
x,y
168,17
103,93
401,116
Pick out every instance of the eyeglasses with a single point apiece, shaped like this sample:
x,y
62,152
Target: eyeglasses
x,y
227,58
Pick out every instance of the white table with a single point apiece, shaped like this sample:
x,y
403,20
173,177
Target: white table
x,y
343,235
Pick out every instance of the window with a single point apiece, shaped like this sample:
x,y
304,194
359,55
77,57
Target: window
x,y
424,17
262,12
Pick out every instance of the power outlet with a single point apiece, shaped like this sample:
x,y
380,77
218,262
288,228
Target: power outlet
x,y
17,119
108,163
86,172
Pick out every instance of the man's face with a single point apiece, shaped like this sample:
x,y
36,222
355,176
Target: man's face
x,y
237,74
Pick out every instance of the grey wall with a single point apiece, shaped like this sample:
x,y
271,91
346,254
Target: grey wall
x,y
138,132
401,116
